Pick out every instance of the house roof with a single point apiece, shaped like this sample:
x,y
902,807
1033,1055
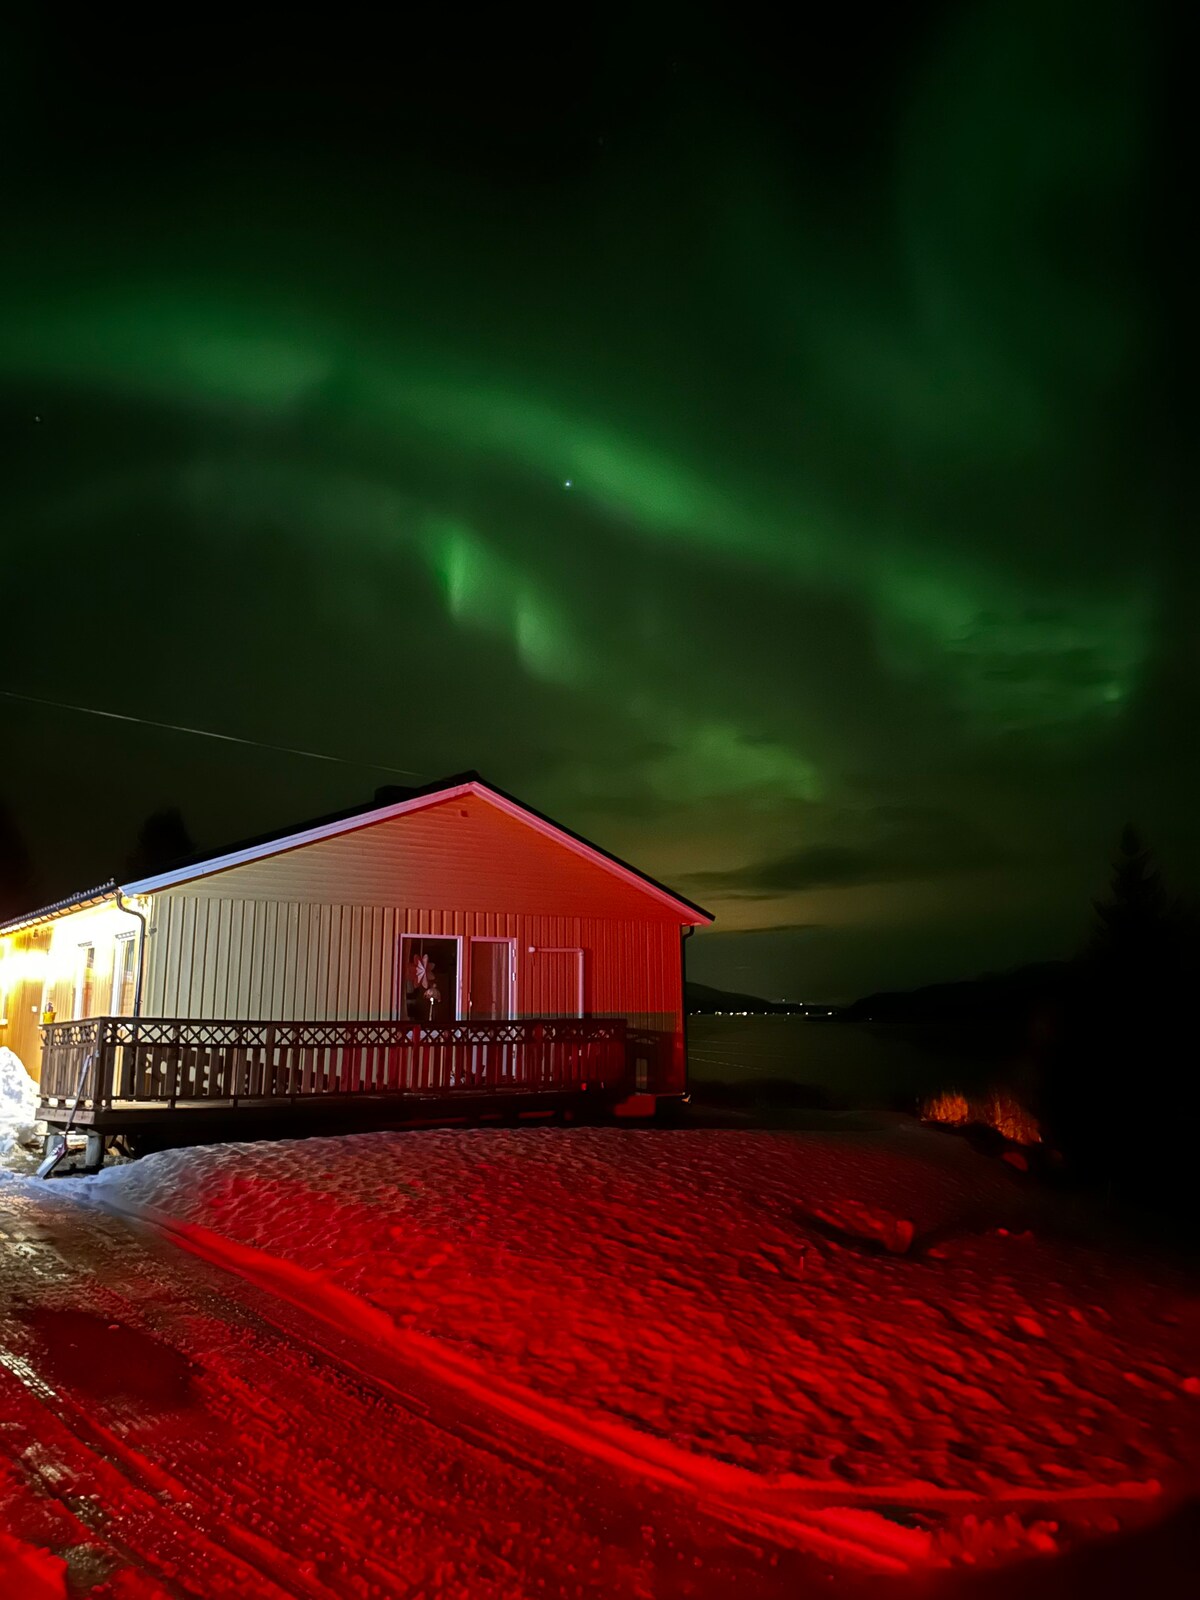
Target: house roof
x,y
79,901
328,827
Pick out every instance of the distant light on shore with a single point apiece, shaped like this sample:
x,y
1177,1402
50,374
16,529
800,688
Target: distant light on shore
x,y
803,1015
796,1009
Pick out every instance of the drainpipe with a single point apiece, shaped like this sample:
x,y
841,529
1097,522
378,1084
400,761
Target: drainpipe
x,y
685,934
141,961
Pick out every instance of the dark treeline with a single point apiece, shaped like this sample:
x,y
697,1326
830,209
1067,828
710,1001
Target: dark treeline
x,y
162,841
18,885
1119,1091
1103,1048
994,998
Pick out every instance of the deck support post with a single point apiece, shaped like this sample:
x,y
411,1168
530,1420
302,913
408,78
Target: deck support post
x,y
93,1157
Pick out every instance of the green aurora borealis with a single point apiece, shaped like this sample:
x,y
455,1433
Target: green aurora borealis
x,y
769,466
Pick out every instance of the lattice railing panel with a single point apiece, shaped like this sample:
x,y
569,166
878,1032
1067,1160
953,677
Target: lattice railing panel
x,y
165,1060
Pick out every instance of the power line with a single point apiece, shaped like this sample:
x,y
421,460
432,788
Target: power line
x,y
206,733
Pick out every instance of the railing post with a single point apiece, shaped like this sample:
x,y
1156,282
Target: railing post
x,y
125,1071
174,1066
103,1065
237,1057
270,1083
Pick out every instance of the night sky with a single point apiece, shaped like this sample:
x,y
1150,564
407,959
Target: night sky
x,y
763,453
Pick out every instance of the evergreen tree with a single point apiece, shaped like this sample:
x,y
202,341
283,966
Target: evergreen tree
x,y
16,868
1138,926
162,841
1120,1096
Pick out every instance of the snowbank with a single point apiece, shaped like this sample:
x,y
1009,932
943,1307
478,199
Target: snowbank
x,y
18,1102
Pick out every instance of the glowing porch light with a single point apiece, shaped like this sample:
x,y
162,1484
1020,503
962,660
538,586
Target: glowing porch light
x,y
21,966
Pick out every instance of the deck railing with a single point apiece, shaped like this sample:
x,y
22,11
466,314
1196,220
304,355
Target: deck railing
x,y
164,1061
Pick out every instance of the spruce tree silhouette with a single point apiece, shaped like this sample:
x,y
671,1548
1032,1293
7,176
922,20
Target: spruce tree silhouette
x,y
1138,927
1121,1097
16,868
162,841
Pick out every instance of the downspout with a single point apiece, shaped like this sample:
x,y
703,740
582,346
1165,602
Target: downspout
x,y
685,934
141,958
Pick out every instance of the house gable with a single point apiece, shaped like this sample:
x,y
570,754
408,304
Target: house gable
x,y
467,849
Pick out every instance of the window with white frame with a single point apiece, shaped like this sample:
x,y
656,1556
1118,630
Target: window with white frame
x,y
124,975
85,982
429,978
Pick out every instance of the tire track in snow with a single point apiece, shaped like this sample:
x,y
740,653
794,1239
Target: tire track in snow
x,y
842,1533
841,1523
89,1453
371,1489
145,1487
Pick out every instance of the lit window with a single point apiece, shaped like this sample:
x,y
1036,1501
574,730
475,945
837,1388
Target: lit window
x,y
85,982
124,975
428,979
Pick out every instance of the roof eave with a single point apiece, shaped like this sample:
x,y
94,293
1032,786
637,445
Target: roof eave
x,y
694,915
689,913
293,841
83,901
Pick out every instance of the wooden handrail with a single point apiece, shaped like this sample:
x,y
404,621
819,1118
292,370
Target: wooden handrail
x,y
165,1060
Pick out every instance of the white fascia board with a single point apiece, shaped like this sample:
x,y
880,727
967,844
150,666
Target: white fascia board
x,y
400,808
258,852
628,875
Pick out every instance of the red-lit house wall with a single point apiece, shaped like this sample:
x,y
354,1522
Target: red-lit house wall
x,y
315,932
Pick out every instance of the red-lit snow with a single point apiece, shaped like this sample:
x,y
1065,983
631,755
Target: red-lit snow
x,y
169,1430
719,1289
879,1349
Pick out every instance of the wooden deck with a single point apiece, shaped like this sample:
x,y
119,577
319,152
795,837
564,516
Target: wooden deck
x,y
118,1073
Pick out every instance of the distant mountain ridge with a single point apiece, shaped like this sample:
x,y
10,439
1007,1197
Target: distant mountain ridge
x,y
991,995
702,997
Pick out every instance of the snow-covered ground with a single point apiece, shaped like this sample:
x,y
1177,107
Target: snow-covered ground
x,y
885,1322
169,1431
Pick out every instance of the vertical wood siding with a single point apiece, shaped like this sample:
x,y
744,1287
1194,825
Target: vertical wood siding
x,y
302,962
22,996
315,934
462,853
60,941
